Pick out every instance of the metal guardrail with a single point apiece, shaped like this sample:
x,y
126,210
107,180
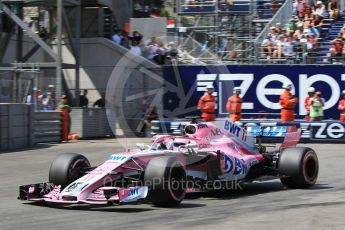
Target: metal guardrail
x,y
90,122
47,127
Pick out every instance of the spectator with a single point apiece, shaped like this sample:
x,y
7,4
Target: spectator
x,y
300,31
267,46
301,7
277,53
48,102
152,49
159,57
278,28
83,100
117,37
168,60
135,49
292,27
125,41
274,6
137,37
337,49
333,9
342,33
172,50
100,103
320,9
318,21
288,48
316,107
273,32
297,46
314,31
311,92
308,46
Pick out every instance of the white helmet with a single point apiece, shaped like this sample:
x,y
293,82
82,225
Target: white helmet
x,y
343,92
287,85
210,87
237,90
311,90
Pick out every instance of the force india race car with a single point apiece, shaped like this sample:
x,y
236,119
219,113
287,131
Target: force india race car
x,y
204,158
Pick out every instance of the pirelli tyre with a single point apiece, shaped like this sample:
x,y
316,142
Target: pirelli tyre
x,y
67,168
298,167
166,180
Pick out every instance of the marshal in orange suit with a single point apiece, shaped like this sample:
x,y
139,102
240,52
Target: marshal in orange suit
x,y
287,102
207,105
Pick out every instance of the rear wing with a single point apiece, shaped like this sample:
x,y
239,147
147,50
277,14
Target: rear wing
x,y
289,135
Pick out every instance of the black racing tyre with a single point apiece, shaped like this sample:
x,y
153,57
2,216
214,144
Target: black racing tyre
x,y
166,180
298,167
67,168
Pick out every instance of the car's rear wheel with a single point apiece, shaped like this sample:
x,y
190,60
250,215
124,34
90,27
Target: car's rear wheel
x,y
166,180
67,168
298,167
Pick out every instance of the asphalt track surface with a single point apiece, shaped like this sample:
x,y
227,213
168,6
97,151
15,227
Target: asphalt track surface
x,y
266,205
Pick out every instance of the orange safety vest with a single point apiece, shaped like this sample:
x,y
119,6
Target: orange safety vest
x,y
342,110
207,105
234,107
288,106
65,123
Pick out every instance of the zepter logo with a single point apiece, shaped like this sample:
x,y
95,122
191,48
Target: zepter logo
x,y
137,90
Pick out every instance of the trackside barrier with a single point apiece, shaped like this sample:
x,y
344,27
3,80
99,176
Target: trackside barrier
x,y
271,131
47,127
15,126
90,122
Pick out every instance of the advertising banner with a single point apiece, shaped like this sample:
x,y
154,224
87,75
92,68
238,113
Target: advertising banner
x,y
261,86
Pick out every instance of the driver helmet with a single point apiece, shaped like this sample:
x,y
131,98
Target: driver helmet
x,y
180,142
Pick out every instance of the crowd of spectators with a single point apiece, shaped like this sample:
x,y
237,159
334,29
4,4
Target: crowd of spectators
x,y
155,50
299,39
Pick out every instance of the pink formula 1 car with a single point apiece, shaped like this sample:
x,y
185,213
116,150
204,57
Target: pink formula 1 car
x,y
206,157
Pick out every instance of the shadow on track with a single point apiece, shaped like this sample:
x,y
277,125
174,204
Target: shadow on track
x,y
119,208
251,189
26,150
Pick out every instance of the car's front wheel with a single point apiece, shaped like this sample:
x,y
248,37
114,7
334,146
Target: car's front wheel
x,y
166,180
67,168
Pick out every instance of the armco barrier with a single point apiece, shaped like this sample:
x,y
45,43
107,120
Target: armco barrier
x,y
47,127
15,126
312,132
90,122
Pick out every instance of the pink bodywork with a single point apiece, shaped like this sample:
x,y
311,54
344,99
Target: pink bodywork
x,y
238,155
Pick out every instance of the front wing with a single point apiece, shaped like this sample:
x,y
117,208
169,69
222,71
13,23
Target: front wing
x,y
48,192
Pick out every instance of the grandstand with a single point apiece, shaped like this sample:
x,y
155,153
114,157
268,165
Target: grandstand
x,y
233,31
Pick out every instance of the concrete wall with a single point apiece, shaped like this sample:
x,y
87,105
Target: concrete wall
x,y
15,126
